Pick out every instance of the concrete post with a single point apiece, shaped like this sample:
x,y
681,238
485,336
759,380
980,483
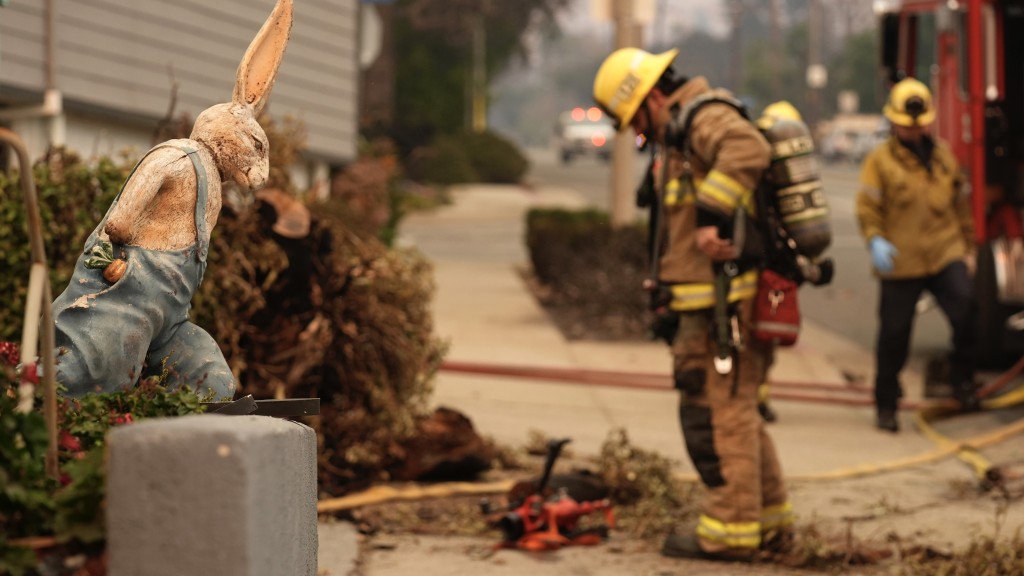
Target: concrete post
x,y
207,494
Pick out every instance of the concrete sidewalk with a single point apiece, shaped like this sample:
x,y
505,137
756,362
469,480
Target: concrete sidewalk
x,y
484,309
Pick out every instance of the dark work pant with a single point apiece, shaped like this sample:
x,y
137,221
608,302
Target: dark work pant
x,y
952,290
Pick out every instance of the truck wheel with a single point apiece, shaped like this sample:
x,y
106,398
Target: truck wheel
x,y
566,156
990,325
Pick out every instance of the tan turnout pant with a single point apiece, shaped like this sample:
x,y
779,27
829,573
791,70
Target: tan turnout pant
x,y
726,438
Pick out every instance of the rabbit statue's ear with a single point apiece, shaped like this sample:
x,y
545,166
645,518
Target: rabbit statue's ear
x,y
259,66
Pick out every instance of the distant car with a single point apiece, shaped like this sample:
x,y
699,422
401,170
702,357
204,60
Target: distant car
x,y
584,132
868,141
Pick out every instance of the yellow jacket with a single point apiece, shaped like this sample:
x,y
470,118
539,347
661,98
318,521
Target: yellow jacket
x,y
922,212
729,155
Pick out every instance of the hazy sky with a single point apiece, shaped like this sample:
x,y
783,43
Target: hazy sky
x,y
681,14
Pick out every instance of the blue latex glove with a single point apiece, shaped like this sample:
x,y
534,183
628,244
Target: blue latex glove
x,y
882,253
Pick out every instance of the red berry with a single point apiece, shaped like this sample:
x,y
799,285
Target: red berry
x,y
9,353
69,442
121,419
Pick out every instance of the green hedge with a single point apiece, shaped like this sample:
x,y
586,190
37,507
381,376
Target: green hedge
x,y
73,197
593,271
494,158
468,157
69,508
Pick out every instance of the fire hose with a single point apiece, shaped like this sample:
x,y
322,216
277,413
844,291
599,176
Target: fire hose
x,y
926,414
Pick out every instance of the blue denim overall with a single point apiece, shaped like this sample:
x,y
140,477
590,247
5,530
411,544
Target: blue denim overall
x,y
108,336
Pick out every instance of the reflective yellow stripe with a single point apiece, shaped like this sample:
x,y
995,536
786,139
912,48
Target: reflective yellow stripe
x,y
777,516
718,188
675,193
790,147
698,296
809,214
732,534
672,192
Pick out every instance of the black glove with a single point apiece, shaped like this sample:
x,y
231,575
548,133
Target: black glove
x,y
665,321
664,326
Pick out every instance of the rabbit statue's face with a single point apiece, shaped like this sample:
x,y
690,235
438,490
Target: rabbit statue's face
x,y
238,143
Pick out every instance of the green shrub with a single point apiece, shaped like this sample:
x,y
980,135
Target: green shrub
x,y
495,159
69,508
444,162
593,271
554,238
468,157
73,197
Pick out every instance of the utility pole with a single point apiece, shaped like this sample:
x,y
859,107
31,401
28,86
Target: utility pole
x,y
817,74
777,51
479,88
736,46
623,206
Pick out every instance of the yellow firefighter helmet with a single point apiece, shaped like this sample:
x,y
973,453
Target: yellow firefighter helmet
x,y
910,104
624,80
781,110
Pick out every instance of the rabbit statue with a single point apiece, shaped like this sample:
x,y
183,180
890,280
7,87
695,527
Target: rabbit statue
x,y
124,315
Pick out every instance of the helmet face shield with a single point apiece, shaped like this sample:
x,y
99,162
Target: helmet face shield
x,y
909,104
914,107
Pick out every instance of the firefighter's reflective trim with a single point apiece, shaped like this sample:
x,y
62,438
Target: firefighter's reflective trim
x,y
810,214
672,192
676,193
777,327
721,192
699,296
872,192
699,437
779,516
730,534
791,147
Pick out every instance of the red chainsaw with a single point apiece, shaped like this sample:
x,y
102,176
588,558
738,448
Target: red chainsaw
x,y
544,520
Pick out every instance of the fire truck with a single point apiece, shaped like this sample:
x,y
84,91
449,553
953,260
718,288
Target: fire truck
x,y
971,54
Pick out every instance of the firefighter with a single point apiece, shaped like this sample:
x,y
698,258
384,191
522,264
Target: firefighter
x,y
706,179
917,222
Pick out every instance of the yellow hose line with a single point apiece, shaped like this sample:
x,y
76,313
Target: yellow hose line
x,y
950,448
1005,401
381,494
976,461
944,451
981,465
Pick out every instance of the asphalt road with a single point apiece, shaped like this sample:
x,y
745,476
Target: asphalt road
x,y
848,306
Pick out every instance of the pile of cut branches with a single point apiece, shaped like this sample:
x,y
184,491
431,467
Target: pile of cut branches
x,y
331,312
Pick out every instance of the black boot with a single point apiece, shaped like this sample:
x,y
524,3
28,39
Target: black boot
x,y
887,420
966,393
687,546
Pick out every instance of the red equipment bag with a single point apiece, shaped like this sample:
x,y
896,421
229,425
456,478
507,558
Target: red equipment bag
x,y
776,310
